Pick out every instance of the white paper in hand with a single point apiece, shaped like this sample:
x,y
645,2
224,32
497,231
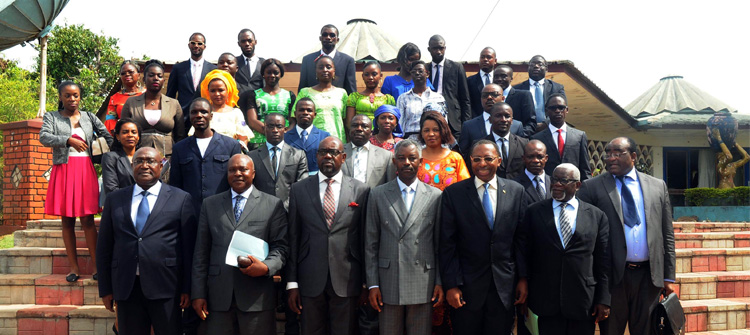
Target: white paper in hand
x,y
243,244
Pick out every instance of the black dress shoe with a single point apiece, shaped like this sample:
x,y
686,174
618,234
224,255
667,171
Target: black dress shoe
x,y
72,278
95,276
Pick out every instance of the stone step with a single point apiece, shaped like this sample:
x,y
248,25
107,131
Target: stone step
x,y
712,259
716,314
42,261
740,239
699,227
43,289
53,224
712,285
45,238
55,320
723,332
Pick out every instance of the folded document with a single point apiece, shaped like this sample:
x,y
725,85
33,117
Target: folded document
x,y
243,244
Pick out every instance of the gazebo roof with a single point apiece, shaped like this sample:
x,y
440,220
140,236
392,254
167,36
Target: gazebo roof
x,y
25,20
363,40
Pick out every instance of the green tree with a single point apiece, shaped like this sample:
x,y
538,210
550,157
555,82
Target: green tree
x,y
91,60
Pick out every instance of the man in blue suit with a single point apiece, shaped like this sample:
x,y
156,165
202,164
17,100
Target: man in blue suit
x,y
185,78
345,71
305,136
145,250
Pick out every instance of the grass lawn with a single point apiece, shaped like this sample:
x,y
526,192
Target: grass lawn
x,y
6,241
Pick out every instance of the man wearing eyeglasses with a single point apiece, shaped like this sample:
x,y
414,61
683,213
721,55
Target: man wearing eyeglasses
x,y
564,143
480,127
325,268
478,247
641,237
185,78
566,259
145,250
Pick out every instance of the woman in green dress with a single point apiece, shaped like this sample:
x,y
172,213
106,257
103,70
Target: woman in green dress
x,y
367,101
330,101
269,99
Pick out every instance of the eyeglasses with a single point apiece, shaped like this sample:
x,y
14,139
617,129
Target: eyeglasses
x,y
487,159
332,152
127,73
486,95
615,155
147,162
563,181
200,44
557,108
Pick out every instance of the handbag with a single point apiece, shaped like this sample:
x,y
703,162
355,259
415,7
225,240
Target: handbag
x,y
668,318
99,145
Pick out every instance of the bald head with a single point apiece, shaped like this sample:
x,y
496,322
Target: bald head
x,y
240,172
330,156
147,163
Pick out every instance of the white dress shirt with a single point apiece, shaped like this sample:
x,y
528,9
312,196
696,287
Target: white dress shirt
x,y
635,237
532,177
153,193
252,62
487,124
332,54
300,129
506,91
361,173
479,184
571,211
439,87
245,195
483,75
553,130
409,201
532,88
505,143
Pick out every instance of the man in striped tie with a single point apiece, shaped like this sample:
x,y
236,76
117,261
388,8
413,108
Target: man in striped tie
x,y
566,258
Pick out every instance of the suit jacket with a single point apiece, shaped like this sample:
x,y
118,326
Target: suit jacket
x,y
568,280
263,217
528,186
475,85
292,168
169,130
247,81
522,104
401,246
471,255
475,130
575,151
202,176
117,171
310,147
318,253
601,191
163,251
345,72
180,82
550,87
380,168
513,165
456,94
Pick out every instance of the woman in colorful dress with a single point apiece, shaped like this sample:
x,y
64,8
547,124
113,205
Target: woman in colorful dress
x,y
130,86
221,90
400,83
440,167
73,189
269,99
330,101
385,130
367,101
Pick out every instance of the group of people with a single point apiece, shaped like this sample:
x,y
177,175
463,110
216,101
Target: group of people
x,y
433,203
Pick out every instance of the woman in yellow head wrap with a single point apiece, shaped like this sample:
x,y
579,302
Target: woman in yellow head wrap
x,y
221,90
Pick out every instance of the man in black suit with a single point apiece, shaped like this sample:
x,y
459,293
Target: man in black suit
x,y
478,246
564,143
479,127
145,250
521,101
537,84
511,146
640,233
325,268
242,299
487,61
567,259
279,164
186,77
449,79
533,179
345,71
248,75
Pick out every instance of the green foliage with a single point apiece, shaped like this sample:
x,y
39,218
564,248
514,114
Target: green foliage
x,y
91,60
738,196
6,241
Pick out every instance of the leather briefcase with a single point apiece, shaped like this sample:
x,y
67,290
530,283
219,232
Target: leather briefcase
x,y
668,317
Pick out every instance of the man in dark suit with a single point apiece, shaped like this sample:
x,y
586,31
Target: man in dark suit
x,y
479,127
487,61
199,162
511,146
478,246
449,79
305,136
345,71
567,259
640,235
144,250
533,179
538,84
365,162
564,144
238,300
279,165
325,270
521,101
248,75
186,77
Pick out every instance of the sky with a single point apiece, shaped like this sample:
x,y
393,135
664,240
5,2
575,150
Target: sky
x,y
624,47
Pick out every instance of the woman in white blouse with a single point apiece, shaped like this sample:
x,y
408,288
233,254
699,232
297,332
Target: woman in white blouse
x,y
220,89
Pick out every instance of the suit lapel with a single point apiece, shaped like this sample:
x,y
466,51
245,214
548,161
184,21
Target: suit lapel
x,y
582,223
311,138
189,75
125,165
349,162
471,193
193,145
611,188
293,137
347,192
374,156
244,68
161,200
226,202
250,204
265,157
548,139
212,145
397,202
548,222
499,205
314,194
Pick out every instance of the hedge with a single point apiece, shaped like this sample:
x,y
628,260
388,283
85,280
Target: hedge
x,y
738,196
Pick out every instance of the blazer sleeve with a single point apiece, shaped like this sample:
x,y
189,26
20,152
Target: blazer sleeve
x,y
278,246
201,256
172,81
302,169
178,132
450,267
110,179
527,109
463,94
100,129
520,237
105,242
127,110
668,234
436,241
305,68
294,234
350,81
47,135
583,164
188,230
602,260
372,242
175,173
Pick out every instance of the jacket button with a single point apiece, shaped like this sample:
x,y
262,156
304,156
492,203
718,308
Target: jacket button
x,y
140,239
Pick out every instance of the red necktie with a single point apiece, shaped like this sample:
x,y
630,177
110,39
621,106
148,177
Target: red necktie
x,y
560,142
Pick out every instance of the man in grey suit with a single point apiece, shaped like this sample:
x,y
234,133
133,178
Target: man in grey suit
x,y
533,179
325,269
238,300
640,235
281,164
401,239
365,162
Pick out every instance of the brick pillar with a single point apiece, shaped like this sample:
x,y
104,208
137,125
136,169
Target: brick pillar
x,y
25,175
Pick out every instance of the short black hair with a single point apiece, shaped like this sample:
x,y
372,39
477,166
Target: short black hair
x,y
269,62
151,63
197,34
276,114
483,142
305,99
200,99
116,145
331,27
67,83
436,38
372,62
245,31
556,95
414,64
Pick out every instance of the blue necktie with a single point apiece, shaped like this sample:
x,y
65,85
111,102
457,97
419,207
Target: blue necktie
x,y
487,205
142,214
539,102
239,205
304,137
629,212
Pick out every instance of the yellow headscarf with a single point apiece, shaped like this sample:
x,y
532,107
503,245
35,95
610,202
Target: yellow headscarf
x,y
232,95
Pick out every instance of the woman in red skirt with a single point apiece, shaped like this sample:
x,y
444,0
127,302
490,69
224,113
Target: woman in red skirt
x,y
73,187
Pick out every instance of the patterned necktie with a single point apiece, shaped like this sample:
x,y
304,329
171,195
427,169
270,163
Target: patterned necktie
x,y
629,212
560,142
487,205
358,170
540,187
304,136
329,206
239,205
539,102
275,161
141,216
565,228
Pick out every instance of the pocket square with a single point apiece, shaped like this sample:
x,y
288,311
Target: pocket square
x,y
353,204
